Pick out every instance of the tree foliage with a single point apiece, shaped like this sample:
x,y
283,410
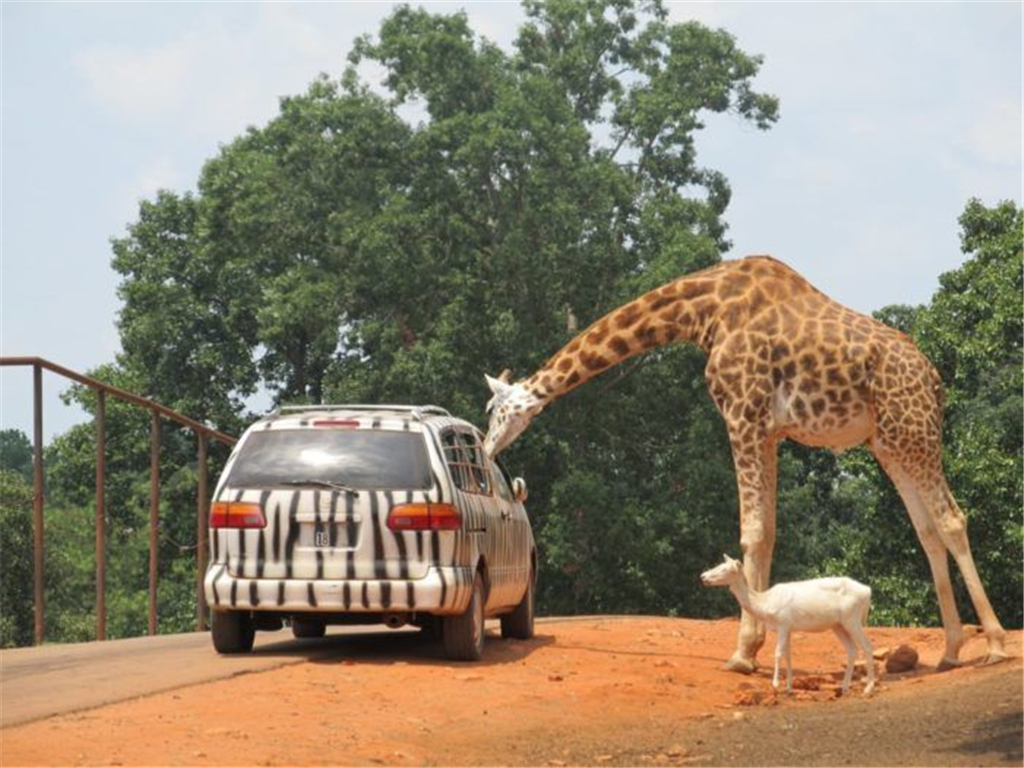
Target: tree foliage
x,y
16,616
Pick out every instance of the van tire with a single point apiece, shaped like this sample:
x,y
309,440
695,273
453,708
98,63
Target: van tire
x,y
308,630
463,635
518,625
232,631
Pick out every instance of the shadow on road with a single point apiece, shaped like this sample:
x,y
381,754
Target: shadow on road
x,y
406,646
1003,735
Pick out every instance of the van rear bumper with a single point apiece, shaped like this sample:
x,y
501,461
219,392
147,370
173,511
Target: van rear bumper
x,y
444,590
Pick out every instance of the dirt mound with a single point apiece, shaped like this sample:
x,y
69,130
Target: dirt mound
x,y
592,691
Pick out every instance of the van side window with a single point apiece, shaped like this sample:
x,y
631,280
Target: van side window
x,y
467,464
501,481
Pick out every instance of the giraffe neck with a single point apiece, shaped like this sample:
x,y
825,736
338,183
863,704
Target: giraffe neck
x,y
681,311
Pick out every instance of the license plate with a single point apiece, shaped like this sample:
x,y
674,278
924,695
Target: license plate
x,y
320,537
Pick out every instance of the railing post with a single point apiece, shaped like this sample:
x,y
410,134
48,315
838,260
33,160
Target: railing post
x,y
154,515
202,524
37,504
101,546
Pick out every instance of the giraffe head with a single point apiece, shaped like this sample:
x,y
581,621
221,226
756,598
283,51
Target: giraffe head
x,y
728,572
512,408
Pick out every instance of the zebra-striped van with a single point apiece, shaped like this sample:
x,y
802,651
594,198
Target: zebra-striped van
x,y
357,514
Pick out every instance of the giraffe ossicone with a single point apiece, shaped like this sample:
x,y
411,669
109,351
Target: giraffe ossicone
x,y
783,361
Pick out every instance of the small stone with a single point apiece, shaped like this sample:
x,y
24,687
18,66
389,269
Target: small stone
x,y
738,716
675,751
881,653
903,659
555,678
603,758
749,698
810,683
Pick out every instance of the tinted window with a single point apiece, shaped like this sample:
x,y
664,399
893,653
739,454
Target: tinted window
x,y
359,458
501,481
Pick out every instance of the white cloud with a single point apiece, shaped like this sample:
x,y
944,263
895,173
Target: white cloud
x,y
138,85
995,132
160,173
220,74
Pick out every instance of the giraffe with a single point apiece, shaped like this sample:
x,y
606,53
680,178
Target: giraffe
x,y
783,361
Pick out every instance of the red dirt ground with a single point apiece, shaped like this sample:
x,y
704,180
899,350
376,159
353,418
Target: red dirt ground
x,y
593,691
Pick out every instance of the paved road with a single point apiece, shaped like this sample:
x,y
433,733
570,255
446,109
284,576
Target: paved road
x,y
55,679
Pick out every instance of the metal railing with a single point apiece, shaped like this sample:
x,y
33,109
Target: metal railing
x,y
203,435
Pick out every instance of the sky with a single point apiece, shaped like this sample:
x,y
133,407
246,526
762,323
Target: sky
x,y
892,116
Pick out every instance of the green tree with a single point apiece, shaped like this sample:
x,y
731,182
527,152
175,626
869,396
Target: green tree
x,y
16,452
16,598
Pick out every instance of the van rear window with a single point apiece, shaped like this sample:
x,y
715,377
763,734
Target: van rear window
x,y
358,458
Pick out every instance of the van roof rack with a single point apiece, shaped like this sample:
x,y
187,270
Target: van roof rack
x,y
418,412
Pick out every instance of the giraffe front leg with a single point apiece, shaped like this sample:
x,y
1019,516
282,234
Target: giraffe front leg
x,y
755,474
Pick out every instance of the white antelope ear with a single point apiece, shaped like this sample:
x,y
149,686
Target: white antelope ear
x,y
498,387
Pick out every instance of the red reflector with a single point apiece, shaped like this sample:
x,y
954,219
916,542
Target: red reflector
x,y
424,517
236,514
333,423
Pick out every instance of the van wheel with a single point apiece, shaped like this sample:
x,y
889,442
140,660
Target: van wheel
x,y
519,623
303,629
464,634
232,631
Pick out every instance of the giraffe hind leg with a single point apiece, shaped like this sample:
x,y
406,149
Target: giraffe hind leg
x,y
952,528
941,528
935,551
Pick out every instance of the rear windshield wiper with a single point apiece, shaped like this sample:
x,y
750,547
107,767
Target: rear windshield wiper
x,y
322,484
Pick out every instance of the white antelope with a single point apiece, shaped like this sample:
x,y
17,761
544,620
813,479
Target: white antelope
x,y
837,603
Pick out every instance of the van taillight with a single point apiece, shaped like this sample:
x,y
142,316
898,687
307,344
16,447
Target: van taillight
x,y
424,517
236,514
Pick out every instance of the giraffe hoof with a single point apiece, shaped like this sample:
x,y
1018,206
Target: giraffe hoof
x,y
741,664
993,657
947,664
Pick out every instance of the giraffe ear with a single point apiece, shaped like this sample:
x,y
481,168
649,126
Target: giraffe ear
x,y
498,386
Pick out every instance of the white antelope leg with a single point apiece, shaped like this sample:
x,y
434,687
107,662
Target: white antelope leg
x,y
851,654
860,637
